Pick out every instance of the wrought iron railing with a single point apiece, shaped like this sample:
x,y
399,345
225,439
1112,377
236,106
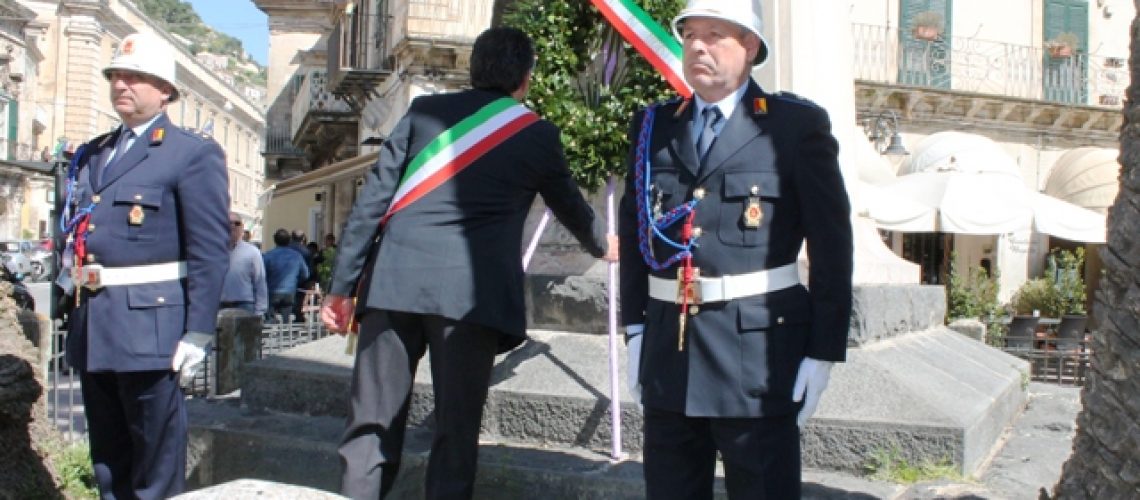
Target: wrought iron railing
x,y
315,96
279,141
988,67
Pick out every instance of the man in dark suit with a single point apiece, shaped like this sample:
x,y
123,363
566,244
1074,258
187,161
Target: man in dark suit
x,y
436,258
147,231
727,346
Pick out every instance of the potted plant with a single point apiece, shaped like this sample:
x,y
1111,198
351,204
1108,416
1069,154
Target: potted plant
x,y
1038,296
1066,268
1062,45
927,26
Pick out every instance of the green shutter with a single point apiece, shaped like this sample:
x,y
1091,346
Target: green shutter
x,y
921,62
13,128
1063,79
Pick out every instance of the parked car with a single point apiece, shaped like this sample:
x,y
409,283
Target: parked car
x,y
40,259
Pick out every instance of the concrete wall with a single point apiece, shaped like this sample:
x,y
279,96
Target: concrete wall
x,y
289,211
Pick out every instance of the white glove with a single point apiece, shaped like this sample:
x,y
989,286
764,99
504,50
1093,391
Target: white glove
x,y
633,366
811,380
189,355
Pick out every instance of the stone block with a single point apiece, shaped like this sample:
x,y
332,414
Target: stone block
x,y
970,327
238,342
884,311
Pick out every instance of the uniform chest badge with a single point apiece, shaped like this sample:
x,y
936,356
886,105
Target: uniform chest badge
x,y
753,215
136,216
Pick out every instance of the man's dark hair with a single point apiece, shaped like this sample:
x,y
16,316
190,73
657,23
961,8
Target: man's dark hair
x,y
281,237
501,59
298,236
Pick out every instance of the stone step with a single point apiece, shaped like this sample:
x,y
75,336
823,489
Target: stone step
x,y
553,390
931,396
228,443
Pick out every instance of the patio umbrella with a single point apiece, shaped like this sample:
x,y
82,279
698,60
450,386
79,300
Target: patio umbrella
x,y
963,183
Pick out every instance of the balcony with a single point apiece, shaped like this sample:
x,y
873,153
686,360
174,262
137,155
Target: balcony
x,y
357,55
279,141
964,64
322,123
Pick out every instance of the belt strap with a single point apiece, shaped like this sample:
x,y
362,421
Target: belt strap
x,y
138,275
730,287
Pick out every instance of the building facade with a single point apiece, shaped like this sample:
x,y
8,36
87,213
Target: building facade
x,y
65,98
341,74
1043,79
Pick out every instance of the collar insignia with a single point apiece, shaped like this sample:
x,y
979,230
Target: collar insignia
x,y
760,106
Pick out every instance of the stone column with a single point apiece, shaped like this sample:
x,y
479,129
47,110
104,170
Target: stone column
x,y
84,89
810,53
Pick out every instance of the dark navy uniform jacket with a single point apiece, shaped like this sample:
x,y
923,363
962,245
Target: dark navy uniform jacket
x,y
179,180
740,357
456,251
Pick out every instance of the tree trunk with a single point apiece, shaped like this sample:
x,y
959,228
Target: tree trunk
x,y
1106,451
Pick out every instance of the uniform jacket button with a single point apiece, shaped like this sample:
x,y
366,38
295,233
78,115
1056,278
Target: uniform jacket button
x,y
162,300
96,199
780,320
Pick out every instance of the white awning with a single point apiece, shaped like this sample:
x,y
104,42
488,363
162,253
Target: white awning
x,y
962,183
1088,177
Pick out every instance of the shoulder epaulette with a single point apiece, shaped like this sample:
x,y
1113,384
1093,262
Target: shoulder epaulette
x,y
795,99
101,140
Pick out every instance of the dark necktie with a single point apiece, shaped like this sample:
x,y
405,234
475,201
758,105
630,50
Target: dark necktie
x,y
119,151
712,117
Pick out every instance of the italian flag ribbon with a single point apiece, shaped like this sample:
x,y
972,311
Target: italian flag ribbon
x,y
653,41
457,148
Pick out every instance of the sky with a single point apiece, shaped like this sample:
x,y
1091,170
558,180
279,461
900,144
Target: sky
x,y
239,19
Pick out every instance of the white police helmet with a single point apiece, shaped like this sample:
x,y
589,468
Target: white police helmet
x,y
147,54
744,13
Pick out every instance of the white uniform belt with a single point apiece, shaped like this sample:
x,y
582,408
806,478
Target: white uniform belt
x,y
729,287
138,275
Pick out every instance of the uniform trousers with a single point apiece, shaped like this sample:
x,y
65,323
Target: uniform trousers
x,y
136,424
761,456
388,350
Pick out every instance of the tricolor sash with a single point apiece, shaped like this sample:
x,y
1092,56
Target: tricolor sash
x,y
649,38
457,148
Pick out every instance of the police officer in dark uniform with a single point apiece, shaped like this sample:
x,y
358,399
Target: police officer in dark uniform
x,y
730,350
146,218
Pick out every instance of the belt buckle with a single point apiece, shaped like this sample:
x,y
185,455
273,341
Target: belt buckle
x,y
91,277
688,291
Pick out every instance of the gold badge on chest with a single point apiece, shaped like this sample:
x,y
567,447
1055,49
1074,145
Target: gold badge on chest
x,y
753,215
136,216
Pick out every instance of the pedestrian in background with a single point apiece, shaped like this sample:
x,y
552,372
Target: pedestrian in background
x,y
244,286
285,272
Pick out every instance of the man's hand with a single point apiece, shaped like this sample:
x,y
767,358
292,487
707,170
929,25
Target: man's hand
x,y
811,380
189,355
337,312
612,248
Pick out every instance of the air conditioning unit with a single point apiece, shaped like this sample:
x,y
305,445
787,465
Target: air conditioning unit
x,y
1109,100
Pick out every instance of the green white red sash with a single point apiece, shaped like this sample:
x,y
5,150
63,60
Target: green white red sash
x,y
649,38
457,148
